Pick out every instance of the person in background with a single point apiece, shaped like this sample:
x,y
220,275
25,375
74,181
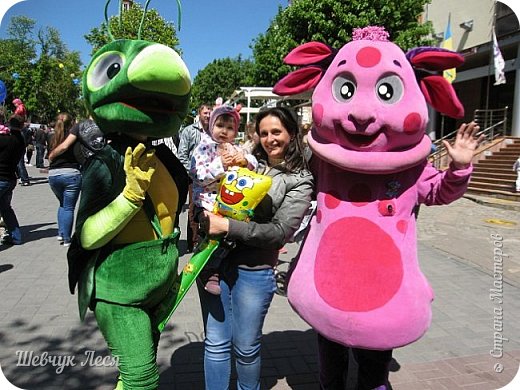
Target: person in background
x,y
516,167
40,140
49,134
64,174
251,138
28,136
234,319
214,154
20,109
188,139
12,148
21,170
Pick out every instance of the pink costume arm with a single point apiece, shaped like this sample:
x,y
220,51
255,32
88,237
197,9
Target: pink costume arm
x,y
436,187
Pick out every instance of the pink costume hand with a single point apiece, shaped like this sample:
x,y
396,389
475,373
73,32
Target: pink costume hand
x,y
465,145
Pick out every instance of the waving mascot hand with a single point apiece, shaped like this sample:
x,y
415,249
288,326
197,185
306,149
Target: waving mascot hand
x,y
124,253
357,281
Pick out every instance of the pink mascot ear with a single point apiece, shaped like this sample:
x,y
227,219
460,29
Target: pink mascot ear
x,y
300,80
434,58
437,60
308,53
441,95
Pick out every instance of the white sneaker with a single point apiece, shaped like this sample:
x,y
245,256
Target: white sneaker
x,y
59,238
66,244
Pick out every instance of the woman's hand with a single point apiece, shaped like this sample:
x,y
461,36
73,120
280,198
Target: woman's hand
x,y
464,146
214,225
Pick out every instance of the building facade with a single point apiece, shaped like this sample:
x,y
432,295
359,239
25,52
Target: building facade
x,y
472,23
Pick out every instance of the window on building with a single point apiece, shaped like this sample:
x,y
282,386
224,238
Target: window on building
x,y
506,21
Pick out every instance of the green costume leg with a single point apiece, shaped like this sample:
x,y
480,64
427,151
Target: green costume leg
x,y
128,333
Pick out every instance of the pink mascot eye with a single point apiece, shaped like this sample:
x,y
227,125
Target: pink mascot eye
x,y
343,88
390,89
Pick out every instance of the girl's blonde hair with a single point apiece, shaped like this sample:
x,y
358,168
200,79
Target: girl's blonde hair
x,y
64,122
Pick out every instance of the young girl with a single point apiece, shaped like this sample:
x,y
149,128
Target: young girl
x,y
214,154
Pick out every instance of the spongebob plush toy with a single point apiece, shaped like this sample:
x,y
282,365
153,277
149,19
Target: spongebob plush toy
x,y
240,192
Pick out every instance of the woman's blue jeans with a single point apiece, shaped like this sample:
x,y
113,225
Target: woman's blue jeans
x,y
66,188
7,212
234,320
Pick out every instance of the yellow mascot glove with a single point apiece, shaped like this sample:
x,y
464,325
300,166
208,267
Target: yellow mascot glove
x,y
139,168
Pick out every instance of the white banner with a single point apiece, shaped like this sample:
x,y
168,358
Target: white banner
x,y
498,60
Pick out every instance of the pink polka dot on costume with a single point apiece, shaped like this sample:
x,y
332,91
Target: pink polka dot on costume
x,y
401,226
368,57
317,114
359,194
331,200
412,123
358,267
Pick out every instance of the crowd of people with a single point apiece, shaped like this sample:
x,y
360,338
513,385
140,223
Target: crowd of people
x,y
17,145
235,291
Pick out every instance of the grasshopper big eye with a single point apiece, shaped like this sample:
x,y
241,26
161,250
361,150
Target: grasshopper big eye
x,y
107,66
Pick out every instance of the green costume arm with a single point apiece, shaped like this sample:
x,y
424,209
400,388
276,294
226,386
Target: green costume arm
x,y
104,225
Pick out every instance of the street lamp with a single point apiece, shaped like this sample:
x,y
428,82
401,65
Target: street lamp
x,y
467,25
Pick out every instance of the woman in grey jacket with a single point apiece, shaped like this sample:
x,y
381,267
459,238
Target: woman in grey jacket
x,y
234,319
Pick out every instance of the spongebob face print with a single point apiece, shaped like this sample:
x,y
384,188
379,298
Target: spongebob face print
x,y
240,192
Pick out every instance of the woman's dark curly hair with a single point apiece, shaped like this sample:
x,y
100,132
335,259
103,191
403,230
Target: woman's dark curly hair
x,y
294,158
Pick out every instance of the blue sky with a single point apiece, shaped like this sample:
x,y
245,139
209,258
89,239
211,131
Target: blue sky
x,y
210,29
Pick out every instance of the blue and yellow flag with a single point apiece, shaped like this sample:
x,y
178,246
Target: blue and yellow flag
x,y
447,43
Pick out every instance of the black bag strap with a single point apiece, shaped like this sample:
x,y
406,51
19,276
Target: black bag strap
x,y
150,212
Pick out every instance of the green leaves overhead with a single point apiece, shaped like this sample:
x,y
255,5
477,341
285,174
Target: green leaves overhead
x,y
37,67
220,78
155,29
332,22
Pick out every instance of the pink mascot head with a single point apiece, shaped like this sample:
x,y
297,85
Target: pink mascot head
x,y
367,98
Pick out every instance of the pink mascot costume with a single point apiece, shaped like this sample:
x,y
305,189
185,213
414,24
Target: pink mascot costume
x,y
357,281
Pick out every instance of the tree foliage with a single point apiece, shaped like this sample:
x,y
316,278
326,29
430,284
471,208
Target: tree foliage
x,y
126,26
37,67
219,79
331,22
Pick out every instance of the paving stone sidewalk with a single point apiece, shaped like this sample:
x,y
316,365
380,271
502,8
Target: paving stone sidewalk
x,y
457,245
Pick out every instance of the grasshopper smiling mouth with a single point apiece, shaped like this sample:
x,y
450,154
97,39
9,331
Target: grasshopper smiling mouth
x,y
150,104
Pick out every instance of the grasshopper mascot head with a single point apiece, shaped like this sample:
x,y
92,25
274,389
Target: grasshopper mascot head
x,y
137,87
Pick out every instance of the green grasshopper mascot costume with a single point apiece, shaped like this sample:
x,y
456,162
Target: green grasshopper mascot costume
x,y
124,253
